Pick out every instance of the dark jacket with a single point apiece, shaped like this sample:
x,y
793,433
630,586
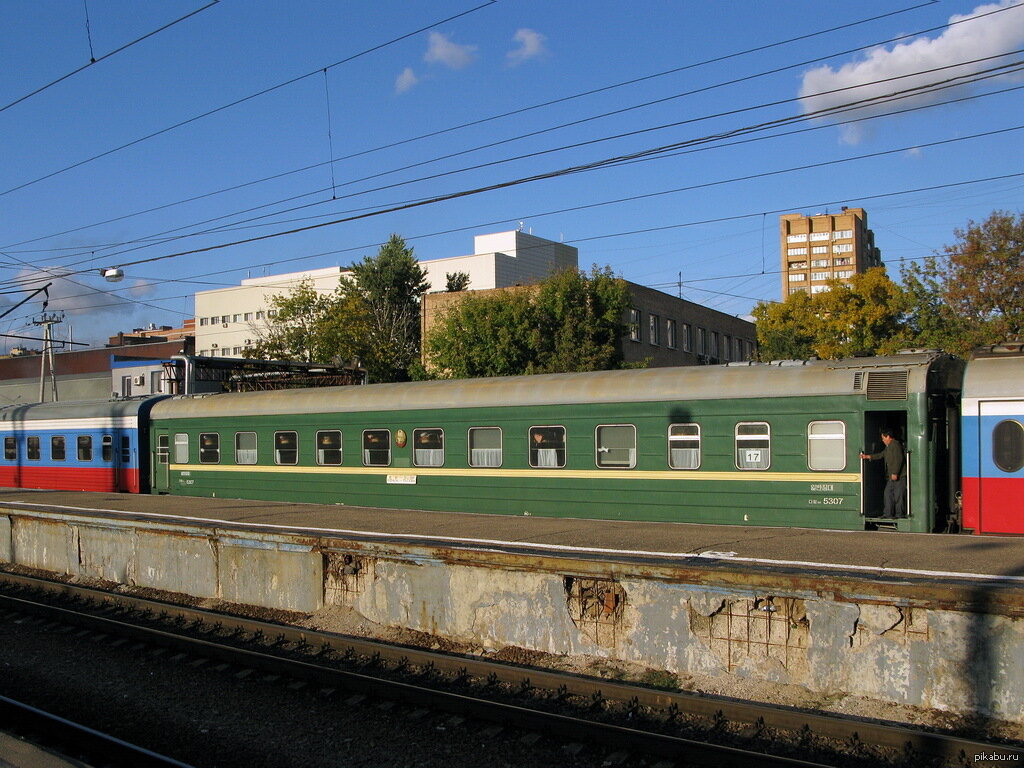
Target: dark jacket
x,y
894,458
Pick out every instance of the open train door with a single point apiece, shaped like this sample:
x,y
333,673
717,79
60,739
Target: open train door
x,y
161,466
873,477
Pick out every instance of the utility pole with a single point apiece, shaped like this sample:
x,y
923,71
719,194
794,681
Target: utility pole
x,y
47,320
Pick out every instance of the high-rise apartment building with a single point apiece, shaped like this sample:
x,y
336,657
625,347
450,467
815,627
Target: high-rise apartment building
x,y
823,247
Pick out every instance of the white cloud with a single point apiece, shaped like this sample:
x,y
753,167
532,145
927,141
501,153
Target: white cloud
x,y
441,50
971,40
406,80
531,45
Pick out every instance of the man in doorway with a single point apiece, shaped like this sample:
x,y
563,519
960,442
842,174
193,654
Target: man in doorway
x,y
895,499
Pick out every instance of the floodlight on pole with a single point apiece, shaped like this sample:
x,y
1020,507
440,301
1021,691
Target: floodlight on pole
x,y
112,274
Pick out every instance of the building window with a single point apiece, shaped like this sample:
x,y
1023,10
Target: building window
x,y
33,447
236,318
246,448
156,382
739,349
670,334
653,330
726,346
225,318
819,289
634,325
826,445
377,447
844,274
843,261
259,315
214,320
820,263
181,448
821,275
1008,445
687,341
286,448
485,447
248,317
271,313
209,448
818,236
58,449
713,352
796,238
841,234
203,321
107,448
84,448
842,248
547,447
796,252
684,446
797,277
428,447
126,386
753,445
798,265
701,341
819,249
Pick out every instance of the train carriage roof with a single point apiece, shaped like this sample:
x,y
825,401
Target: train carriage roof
x,y
996,372
76,409
910,372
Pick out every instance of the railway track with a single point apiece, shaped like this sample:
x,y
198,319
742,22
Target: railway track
x,y
44,729
672,726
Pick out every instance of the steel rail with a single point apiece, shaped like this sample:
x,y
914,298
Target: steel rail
x,y
913,741
76,740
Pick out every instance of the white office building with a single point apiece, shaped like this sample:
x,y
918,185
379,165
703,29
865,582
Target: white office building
x,y
229,320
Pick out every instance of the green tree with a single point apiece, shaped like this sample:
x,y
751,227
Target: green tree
x,y
456,281
972,293
569,322
312,326
390,286
864,317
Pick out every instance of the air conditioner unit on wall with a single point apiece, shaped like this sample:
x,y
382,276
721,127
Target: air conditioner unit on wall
x,y
141,379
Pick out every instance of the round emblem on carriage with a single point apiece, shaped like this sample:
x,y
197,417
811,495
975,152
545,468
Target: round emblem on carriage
x,y
400,438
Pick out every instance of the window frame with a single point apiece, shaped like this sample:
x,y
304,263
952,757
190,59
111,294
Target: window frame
x,y
10,448
697,437
255,450
415,438
180,445
320,451
365,451
531,451
278,434
823,437
63,448
30,441
737,438
997,454
83,445
469,446
204,451
598,448
107,448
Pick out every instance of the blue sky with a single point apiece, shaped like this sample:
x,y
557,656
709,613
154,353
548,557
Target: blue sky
x,y
221,127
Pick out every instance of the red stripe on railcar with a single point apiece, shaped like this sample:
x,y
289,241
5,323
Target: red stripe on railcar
x,y
994,505
102,479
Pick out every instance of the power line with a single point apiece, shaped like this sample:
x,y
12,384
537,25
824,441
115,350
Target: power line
x,y
94,60
242,100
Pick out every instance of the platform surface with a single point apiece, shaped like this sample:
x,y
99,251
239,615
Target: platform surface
x,y
888,553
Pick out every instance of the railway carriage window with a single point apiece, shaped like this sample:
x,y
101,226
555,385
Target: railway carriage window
x,y
684,446
33,448
161,449
547,447
107,448
377,447
753,445
286,448
1008,445
616,446
126,449
485,447
826,445
181,448
84,448
428,447
245,448
328,447
11,448
209,448
58,449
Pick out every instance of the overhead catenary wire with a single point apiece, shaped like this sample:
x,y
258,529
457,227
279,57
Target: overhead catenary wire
x,y
717,59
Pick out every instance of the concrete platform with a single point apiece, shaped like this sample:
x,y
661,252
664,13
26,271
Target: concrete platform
x,y
925,620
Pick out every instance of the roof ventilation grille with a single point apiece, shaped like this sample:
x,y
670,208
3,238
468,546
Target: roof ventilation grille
x,y
858,381
887,385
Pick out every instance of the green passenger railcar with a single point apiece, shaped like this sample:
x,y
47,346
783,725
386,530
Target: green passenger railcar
x,y
757,444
